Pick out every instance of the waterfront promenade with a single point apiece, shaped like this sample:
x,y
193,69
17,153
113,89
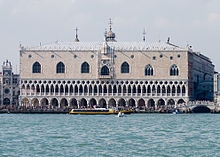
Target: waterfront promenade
x,y
204,106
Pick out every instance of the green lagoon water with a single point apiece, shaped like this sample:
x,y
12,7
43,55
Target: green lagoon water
x,y
107,135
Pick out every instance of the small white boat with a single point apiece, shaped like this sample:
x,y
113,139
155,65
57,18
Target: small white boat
x,y
177,111
121,114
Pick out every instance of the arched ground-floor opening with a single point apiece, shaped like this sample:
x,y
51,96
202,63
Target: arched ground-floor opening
x,y
160,104
35,102
141,104
121,103
92,103
73,103
54,103
111,103
83,103
26,102
201,109
44,102
63,103
102,103
180,101
6,101
131,103
151,104
171,104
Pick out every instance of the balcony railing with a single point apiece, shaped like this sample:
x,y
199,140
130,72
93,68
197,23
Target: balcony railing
x,y
104,76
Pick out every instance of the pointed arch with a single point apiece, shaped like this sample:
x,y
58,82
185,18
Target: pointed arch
x,y
61,89
131,103
114,89
32,88
125,67
38,89
134,89
173,89
153,89
85,67
161,103
121,103
25,102
151,104
60,68
51,89
163,89
90,89
104,70
119,89
54,103
141,104
71,89
36,68
139,89
168,90
149,71
143,89
80,89
174,71
42,89
100,89
85,89
102,103
63,103
111,103
158,89
178,89
73,103
171,103
28,89
35,102
183,89
105,89
95,90
129,89
66,89
83,103
44,102
180,101
109,88
47,89
92,103
148,89
124,89
76,90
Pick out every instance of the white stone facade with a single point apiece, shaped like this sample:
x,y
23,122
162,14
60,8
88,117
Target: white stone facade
x,y
109,73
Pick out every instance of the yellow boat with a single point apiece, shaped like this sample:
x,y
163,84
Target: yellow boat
x,y
98,111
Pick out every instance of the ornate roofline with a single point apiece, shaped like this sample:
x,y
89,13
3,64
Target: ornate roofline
x,y
97,46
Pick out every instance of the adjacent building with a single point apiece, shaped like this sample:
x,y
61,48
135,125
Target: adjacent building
x,y
9,85
112,74
1,88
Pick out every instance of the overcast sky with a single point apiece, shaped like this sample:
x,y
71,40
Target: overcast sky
x,y
29,22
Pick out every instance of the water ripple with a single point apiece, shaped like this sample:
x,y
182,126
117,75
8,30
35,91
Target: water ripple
x,y
133,135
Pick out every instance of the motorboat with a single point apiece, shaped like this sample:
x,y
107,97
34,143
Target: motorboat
x,y
98,111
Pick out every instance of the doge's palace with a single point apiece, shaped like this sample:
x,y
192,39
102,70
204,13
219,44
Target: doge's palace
x,y
112,73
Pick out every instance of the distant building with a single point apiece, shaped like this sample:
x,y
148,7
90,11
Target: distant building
x,y
110,73
216,86
9,85
1,88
